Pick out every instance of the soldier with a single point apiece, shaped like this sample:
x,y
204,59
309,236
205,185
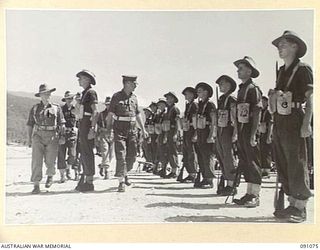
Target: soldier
x,y
292,125
227,132
162,158
146,145
70,138
265,133
123,116
170,126
87,124
154,108
189,134
206,133
104,143
44,123
76,111
248,116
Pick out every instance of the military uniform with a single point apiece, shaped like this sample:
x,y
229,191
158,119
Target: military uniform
x,y
45,121
225,133
206,158
265,146
189,133
290,148
249,157
125,108
249,105
294,87
70,139
147,142
88,97
105,144
169,125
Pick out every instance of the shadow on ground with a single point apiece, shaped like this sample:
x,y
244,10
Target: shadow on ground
x,y
208,218
198,206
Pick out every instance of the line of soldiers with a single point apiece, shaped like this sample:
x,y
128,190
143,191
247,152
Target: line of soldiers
x,y
240,134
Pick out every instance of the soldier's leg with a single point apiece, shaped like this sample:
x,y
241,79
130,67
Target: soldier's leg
x,y
227,157
173,154
62,156
103,145
190,154
50,156
120,151
131,151
37,159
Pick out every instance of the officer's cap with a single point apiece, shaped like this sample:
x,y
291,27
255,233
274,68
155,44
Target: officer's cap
x,y
130,78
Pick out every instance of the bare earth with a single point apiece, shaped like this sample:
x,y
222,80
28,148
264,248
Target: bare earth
x,y
149,199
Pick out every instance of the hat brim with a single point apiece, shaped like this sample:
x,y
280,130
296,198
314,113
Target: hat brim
x,y
206,87
255,72
191,90
301,44
68,97
230,80
170,94
162,101
93,81
50,90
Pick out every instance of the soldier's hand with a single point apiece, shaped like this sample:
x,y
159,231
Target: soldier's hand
x,y
253,141
234,137
91,134
211,139
29,142
269,140
175,138
305,131
145,134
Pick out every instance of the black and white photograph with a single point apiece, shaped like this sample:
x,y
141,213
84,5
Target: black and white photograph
x,y
159,116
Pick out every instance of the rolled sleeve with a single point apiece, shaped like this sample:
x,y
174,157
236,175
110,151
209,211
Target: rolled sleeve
x,y
31,120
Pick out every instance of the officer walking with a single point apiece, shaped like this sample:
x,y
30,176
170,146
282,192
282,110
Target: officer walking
x,y
104,143
292,125
45,122
70,141
249,106
123,116
189,134
206,133
227,132
88,119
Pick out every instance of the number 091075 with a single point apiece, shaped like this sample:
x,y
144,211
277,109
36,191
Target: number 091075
x,y
309,246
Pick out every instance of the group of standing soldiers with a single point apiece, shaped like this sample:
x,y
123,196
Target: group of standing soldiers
x,y
251,126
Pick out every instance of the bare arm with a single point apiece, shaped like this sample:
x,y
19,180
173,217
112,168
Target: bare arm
x,y
94,116
140,123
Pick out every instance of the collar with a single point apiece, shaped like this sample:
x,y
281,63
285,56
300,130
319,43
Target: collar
x,y
49,104
292,65
246,83
124,93
86,89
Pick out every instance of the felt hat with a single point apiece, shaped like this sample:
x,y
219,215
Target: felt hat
x,y
249,62
44,88
205,86
230,80
170,93
291,35
67,95
190,89
88,74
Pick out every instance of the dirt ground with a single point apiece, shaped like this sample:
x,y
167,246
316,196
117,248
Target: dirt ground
x,y
149,199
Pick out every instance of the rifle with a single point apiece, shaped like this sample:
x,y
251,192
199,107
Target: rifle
x,y
180,176
278,202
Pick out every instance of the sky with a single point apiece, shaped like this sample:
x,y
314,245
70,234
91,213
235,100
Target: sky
x,y
167,50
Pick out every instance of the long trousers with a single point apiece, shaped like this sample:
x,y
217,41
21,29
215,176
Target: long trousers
x,y
125,142
189,153
44,149
291,154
